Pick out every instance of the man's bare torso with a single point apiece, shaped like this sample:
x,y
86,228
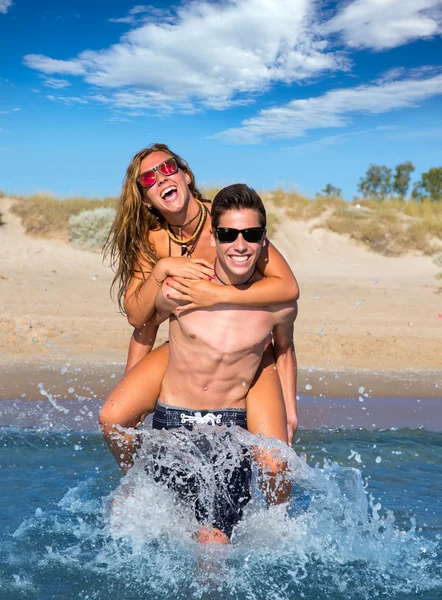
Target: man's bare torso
x,y
214,355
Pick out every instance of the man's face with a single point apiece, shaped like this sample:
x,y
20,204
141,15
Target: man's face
x,y
238,258
169,193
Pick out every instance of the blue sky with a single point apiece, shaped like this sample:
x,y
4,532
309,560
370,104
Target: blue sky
x,y
291,93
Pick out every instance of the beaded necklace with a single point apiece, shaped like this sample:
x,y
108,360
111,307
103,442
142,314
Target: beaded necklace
x,y
181,227
195,235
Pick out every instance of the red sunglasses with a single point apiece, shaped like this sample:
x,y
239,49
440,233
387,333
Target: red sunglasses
x,y
148,178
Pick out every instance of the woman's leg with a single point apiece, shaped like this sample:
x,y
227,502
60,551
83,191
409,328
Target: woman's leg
x,y
141,343
128,404
265,400
266,415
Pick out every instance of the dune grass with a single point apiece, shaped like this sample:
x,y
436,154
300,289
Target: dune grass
x,y
298,206
210,193
392,228
47,216
380,236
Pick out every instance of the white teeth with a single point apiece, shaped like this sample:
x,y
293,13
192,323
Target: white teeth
x,y
239,259
167,190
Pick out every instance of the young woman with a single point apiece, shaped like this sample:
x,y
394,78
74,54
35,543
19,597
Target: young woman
x,y
162,229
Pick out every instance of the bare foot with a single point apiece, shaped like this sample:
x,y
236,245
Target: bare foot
x,y
207,535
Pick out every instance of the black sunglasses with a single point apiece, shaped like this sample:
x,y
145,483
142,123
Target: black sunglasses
x,y
227,235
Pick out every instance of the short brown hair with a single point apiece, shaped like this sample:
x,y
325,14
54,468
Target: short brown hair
x,y
237,197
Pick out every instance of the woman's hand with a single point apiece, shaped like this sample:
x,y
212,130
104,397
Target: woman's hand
x,y
192,268
198,293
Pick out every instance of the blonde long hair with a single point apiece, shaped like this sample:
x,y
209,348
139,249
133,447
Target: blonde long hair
x,y
128,244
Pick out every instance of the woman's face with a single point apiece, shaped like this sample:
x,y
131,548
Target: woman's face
x,y
169,194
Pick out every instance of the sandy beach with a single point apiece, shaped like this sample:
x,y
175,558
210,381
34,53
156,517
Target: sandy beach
x,y
364,319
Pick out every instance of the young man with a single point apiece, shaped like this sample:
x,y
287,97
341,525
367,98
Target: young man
x,y
214,357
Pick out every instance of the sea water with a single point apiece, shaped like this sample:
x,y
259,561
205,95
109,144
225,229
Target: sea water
x,y
364,519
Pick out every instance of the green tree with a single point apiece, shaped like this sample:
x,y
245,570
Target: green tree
x,y
429,186
331,191
402,178
377,182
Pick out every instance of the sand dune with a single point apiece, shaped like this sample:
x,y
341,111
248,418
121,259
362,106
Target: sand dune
x,y
360,309
357,309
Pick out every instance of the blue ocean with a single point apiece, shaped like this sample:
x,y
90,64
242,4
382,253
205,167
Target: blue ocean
x,y
364,520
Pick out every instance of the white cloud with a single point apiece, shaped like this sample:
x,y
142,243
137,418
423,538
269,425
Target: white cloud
x,y
417,134
341,138
7,112
55,83
145,13
396,73
69,100
382,24
144,100
333,109
4,5
118,119
51,66
217,54
212,55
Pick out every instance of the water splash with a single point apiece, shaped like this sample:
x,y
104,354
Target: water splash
x,y
51,399
333,539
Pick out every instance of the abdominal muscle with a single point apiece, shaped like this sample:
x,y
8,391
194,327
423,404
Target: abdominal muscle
x,y
213,358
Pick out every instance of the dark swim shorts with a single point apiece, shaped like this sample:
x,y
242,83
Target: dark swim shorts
x,y
215,480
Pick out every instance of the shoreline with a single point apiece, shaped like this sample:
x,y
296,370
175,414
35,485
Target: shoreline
x,y
94,379
315,414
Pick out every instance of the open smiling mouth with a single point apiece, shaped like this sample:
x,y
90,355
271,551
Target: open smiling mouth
x,y
239,260
169,193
